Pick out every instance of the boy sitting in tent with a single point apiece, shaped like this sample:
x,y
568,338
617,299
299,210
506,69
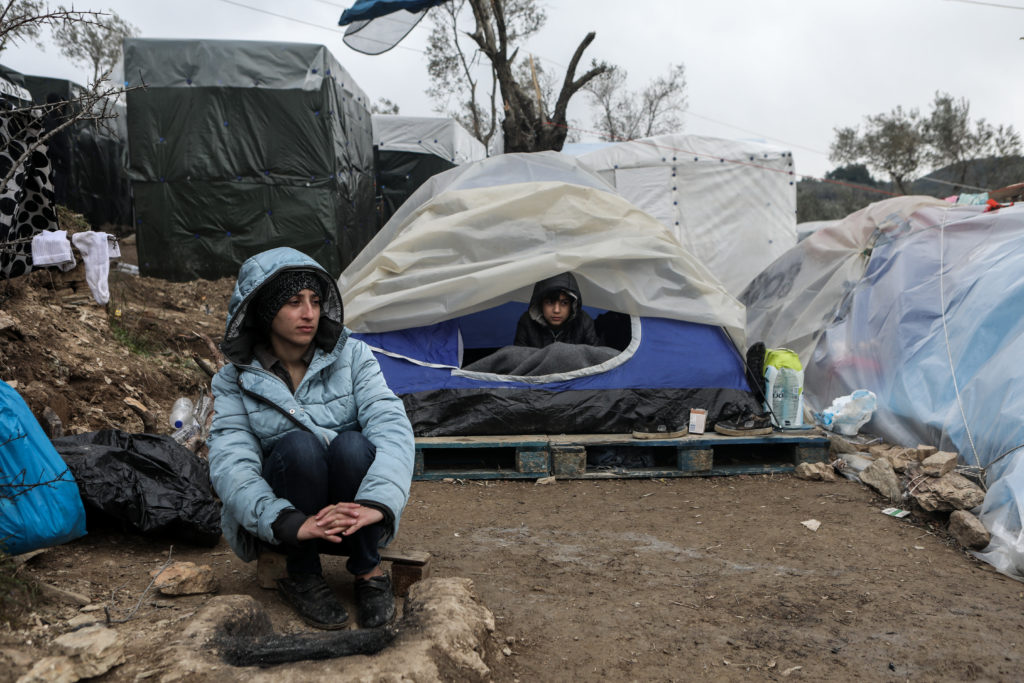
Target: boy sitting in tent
x,y
556,315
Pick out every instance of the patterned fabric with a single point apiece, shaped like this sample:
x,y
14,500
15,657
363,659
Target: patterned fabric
x,y
26,203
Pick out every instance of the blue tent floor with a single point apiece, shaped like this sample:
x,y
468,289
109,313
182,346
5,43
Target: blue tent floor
x,y
566,456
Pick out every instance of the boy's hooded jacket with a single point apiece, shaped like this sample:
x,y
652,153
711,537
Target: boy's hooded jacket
x,y
343,390
533,329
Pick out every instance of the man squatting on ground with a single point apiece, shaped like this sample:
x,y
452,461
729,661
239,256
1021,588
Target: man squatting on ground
x,y
310,451
556,315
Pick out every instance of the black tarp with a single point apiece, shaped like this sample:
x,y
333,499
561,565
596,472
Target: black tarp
x,y
239,146
399,174
87,157
145,481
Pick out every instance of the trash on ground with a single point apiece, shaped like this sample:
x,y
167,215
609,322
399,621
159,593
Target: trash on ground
x,y
811,524
848,414
895,512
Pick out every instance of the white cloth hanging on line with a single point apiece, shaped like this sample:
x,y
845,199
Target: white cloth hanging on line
x,y
52,248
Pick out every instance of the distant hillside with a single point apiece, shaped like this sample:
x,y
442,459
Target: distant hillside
x,y
818,200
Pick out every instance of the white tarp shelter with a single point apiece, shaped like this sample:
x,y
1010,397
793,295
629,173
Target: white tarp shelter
x,y
440,137
732,204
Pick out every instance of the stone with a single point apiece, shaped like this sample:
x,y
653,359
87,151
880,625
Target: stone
x,y
185,578
900,458
543,481
52,670
879,450
51,423
968,530
923,451
880,476
815,471
950,492
94,650
10,327
939,464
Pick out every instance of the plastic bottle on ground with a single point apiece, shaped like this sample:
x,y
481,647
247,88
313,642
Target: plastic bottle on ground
x,y
181,413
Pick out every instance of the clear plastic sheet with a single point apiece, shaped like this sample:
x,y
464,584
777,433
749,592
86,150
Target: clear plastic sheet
x,y
921,302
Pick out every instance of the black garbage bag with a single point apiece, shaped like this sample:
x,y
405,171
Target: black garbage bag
x,y
148,481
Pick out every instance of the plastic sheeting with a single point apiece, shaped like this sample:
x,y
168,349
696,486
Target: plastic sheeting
x,y
39,501
482,234
921,302
88,159
236,147
150,483
732,204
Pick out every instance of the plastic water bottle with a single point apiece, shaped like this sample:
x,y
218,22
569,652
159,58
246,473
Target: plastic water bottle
x,y
181,413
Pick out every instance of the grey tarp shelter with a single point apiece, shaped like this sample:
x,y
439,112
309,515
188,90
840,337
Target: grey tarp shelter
x,y
239,146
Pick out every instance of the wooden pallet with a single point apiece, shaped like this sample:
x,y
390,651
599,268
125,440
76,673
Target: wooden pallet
x,y
565,456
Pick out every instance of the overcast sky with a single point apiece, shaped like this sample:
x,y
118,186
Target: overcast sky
x,y
784,72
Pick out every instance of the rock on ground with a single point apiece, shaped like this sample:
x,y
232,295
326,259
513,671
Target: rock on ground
x,y
880,476
85,653
185,578
815,471
968,530
939,464
951,492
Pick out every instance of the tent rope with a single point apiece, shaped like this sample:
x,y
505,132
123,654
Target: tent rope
x,y
945,332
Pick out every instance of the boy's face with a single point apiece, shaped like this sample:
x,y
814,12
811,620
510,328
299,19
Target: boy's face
x,y
556,309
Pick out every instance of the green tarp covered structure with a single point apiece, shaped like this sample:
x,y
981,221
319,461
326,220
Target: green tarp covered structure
x,y
239,146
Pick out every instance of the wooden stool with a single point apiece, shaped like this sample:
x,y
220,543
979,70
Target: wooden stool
x,y
406,568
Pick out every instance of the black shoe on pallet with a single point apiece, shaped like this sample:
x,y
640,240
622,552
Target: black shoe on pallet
x,y
652,429
375,601
747,424
314,600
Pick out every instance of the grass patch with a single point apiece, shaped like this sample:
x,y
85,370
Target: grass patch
x,y
136,341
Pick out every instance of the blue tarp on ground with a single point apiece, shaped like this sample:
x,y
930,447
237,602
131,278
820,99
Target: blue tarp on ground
x,y
39,501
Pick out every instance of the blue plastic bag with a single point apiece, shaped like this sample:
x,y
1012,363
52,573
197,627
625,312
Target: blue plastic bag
x,y
39,501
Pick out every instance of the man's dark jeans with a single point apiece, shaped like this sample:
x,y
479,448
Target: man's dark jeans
x,y
310,475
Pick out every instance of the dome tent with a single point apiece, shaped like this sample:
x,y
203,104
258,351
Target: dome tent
x,y
730,203
918,300
447,278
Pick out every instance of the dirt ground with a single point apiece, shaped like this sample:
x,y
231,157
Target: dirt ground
x,y
646,580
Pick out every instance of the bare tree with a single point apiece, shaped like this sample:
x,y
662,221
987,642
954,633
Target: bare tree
x,y
94,44
384,106
471,69
621,114
94,103
20,21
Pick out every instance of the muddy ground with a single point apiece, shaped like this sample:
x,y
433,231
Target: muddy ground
x,y
647,580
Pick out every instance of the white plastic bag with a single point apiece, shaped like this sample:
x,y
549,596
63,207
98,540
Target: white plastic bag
x,y
848,414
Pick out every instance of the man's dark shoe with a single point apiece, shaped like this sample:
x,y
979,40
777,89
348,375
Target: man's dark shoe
x,y
747,424
314,600
653,429
375,601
